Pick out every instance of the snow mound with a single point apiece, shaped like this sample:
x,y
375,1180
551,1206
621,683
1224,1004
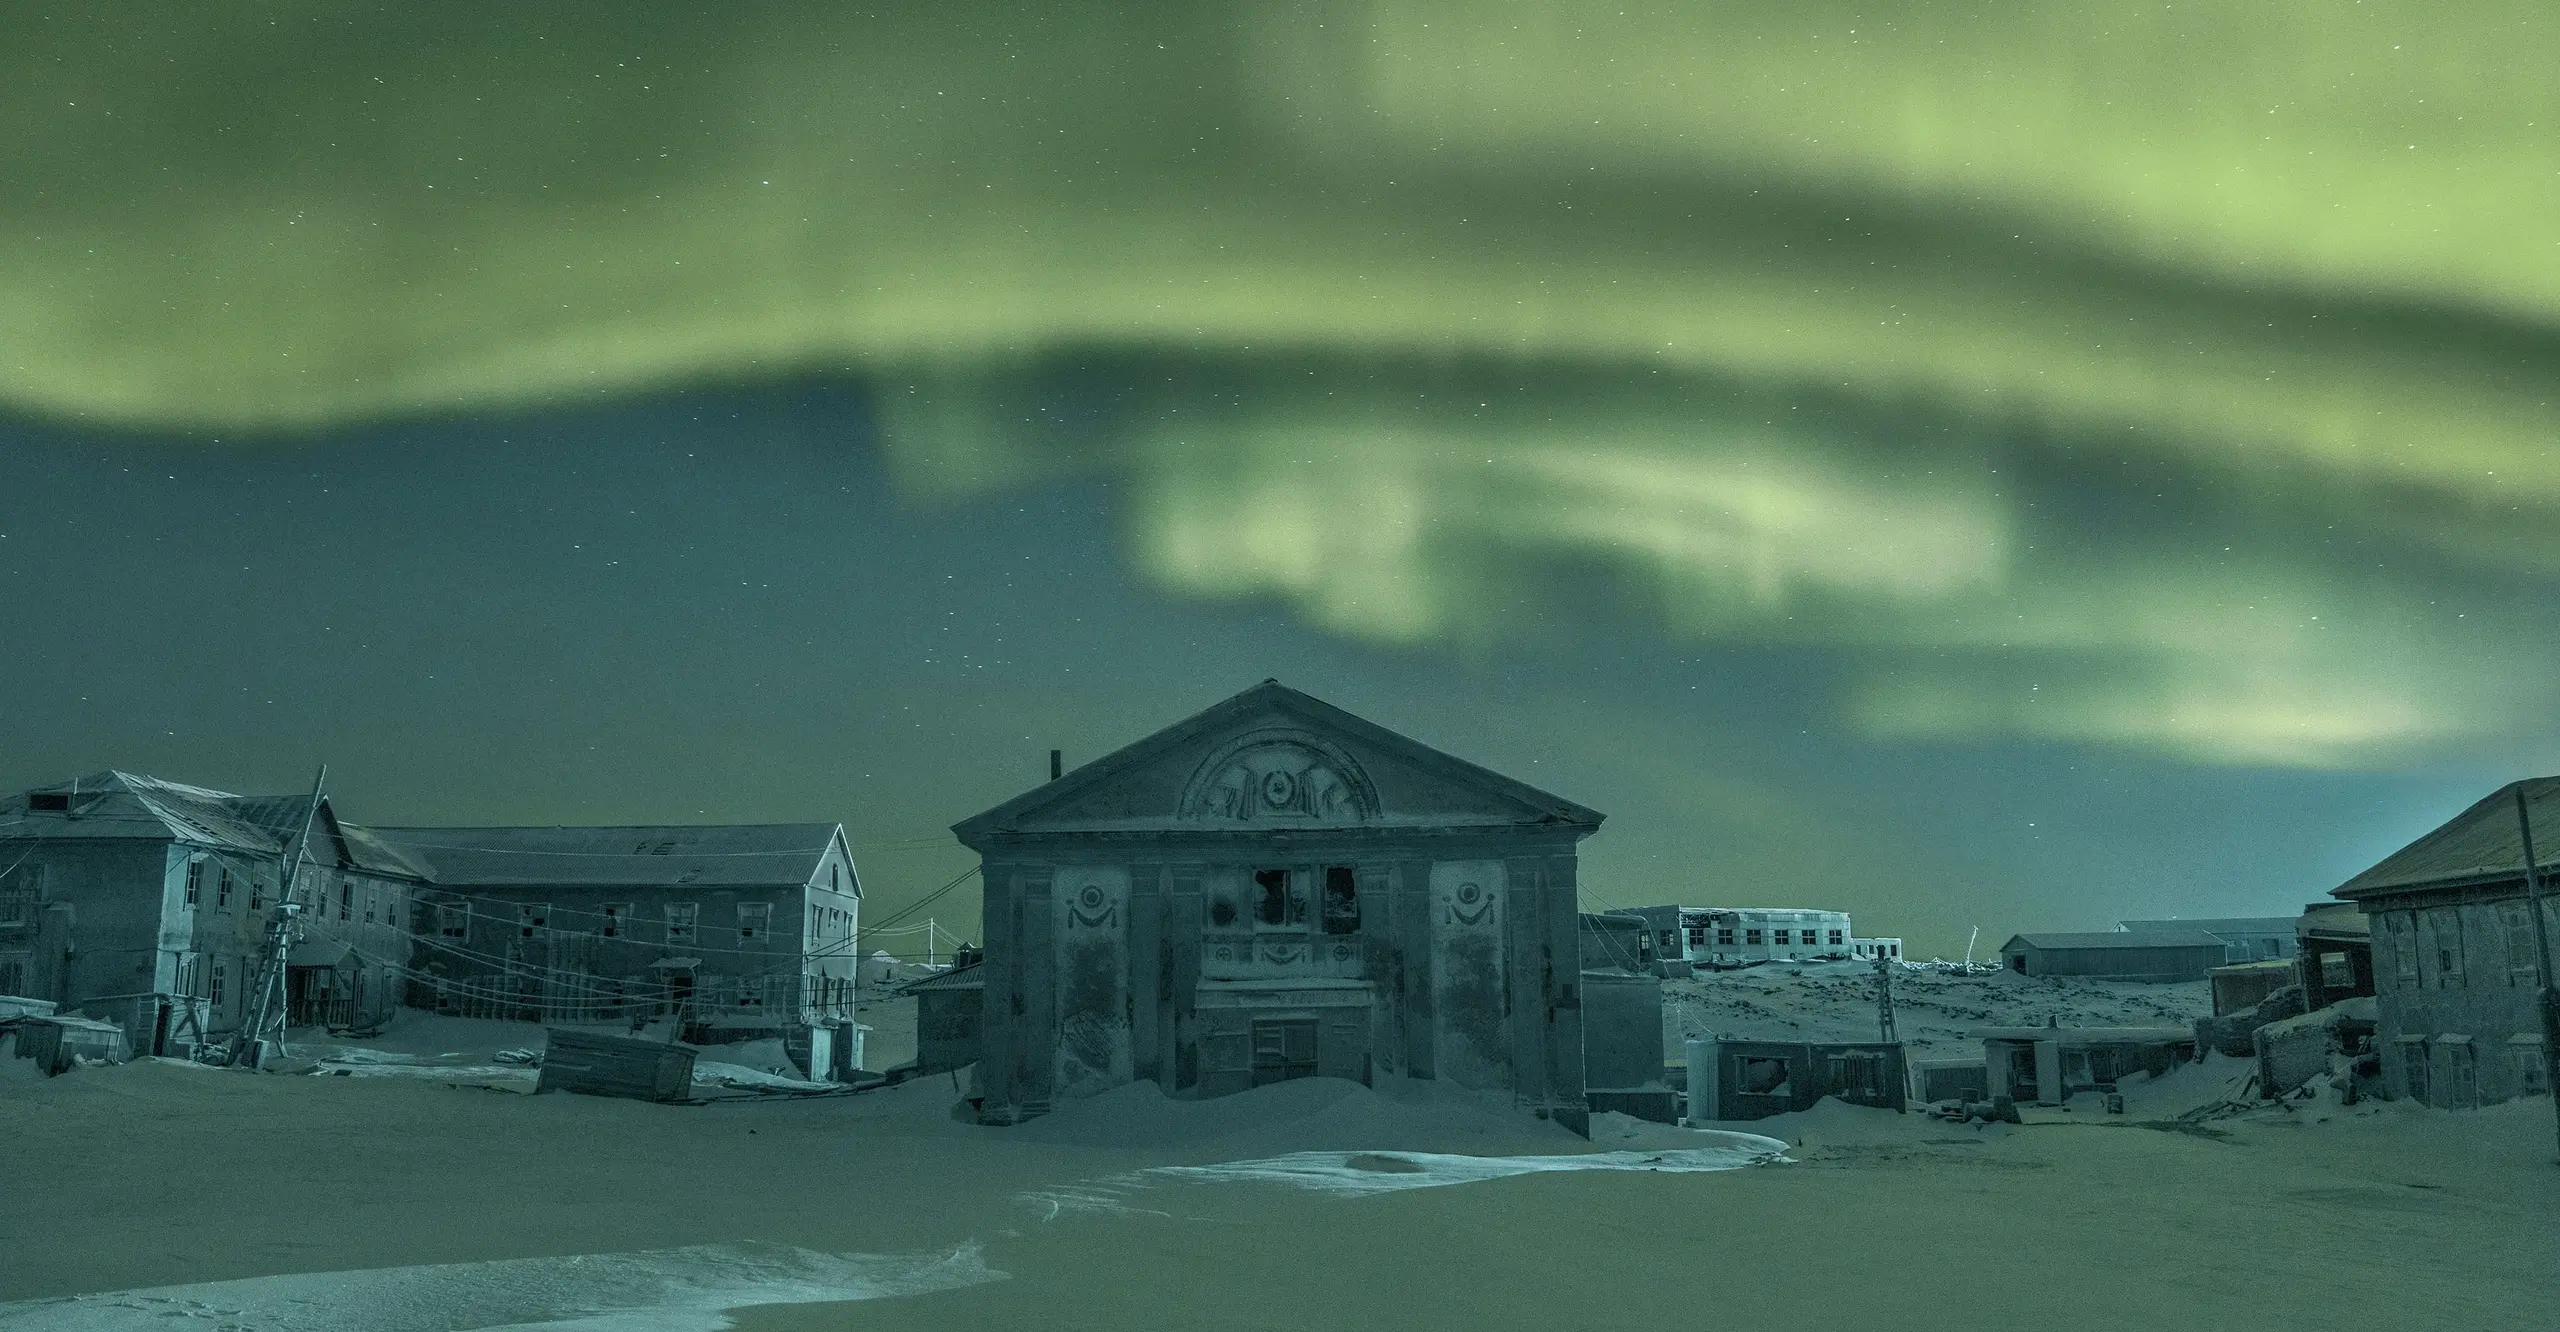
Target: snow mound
x,y
1360,1173
669,1290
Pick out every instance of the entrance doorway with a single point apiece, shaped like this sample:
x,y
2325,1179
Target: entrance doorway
x,y
1283,1049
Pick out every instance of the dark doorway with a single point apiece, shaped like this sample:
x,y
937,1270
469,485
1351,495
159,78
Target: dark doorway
x,y
1283,1050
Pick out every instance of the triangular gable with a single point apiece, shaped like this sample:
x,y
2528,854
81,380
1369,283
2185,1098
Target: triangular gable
x,y
1272,755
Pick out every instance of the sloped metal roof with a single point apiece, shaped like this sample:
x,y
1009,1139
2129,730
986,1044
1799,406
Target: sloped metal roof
x,y
730,855
122,804
2116,939
2480,844
2228,925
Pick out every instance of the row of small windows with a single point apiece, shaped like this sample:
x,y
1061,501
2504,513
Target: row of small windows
x,y
2427,945
612,920
1781,938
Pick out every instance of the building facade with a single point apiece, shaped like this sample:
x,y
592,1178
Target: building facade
x,y
736,931
2456,962
1271,889
148,902
2119,955
1741,936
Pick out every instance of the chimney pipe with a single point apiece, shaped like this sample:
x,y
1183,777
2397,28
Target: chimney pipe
x,y
1057,764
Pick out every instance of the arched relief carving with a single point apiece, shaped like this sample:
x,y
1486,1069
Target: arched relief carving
x,y
1280,777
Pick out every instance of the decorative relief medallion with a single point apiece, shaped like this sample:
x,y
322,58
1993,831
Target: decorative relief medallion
x,y
1276,779
1469,904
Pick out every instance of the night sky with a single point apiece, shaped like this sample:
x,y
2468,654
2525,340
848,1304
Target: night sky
x,y
2015,465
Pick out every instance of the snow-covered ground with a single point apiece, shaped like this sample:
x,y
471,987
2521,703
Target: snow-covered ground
x,y
1272,1209
1933,1011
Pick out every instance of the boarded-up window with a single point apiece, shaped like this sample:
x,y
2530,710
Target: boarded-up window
x,y
2532,1073
2522,964
2413,1068
2401,933
2447,923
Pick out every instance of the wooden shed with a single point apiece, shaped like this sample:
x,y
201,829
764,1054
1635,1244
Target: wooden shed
x,y
2189,955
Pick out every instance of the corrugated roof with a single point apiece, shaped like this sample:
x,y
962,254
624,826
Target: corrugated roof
x,y
2116,939
2219,926
730,854
970,977
2479,844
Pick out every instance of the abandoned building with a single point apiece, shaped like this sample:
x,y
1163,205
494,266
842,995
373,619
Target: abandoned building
x,y
736,930
1741,936
949,1010
2455,956
2049,1065
146,903
2117,955
1742,1080
2244,938
1275,888
2336,953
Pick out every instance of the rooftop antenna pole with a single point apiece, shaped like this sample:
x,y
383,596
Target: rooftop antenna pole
x,y
1969,941
2550,998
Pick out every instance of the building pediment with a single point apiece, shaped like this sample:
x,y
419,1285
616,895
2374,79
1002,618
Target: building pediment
x,y
1275,759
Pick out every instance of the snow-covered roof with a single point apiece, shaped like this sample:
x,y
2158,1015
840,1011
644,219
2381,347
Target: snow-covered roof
x,y
2114,939
2479,845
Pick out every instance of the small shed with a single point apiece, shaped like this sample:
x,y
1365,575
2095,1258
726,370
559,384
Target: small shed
x,y
1756,1079
55,1043
2047,1065
1622,1054
2239,987
2168,955
949,1009
599,1065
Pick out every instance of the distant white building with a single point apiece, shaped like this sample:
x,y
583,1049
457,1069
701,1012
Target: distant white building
x,y
1730,936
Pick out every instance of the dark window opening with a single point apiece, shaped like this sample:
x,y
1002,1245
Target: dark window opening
x,y
1271,896
1341,900
1762,1077
195,882
48,802
1222,912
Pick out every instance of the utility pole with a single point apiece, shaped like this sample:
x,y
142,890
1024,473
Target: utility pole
x,y
267,1005
1884,998
2548,1000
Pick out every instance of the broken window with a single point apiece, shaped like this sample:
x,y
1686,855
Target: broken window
x,y
213,991
1757,1076
1751,937
2522,967
453,919
257,893
195,882
680,919
48,802
1341,900
2448,945
755,920
617,918
1274,901
222,887
531,919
